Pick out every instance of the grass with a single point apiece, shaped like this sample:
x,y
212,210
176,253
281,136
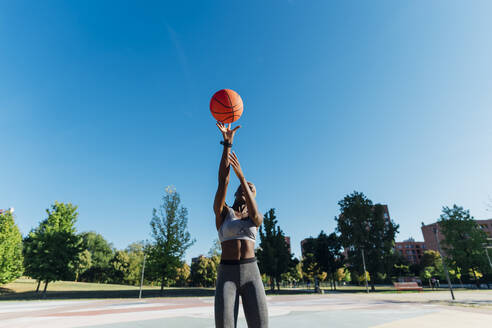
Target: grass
x,y
24,289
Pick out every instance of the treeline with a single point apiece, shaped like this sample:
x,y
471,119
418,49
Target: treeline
x,y
360,250
55,251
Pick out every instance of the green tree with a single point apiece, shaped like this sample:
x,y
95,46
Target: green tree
x,y
400,266
432,266
10,249
120,267
328,254
82,263
216,249
455,272
273,254
362,226
183,275
55,245
343,274
362,278
463,241
294,274
402,270
431,258
311,269
102,252
171,238
32,251
135,253
204,272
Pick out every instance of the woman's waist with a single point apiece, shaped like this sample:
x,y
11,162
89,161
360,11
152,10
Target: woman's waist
x,y
237,261
237,249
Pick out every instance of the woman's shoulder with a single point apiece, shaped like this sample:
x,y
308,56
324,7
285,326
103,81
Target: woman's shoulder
x,y
226,211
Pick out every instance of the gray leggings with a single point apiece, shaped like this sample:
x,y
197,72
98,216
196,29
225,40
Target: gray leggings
x,y
243,278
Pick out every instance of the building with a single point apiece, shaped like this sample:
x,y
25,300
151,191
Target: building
x,y
196,259
411,250
430,237
302,245
386,213
287,241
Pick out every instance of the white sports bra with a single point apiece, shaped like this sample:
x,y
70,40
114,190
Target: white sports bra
x,y
236,228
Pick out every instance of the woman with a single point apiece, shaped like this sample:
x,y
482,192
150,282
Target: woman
x,y
238,273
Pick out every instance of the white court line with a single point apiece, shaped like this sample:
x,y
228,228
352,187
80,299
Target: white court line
x,y
123,306
39,305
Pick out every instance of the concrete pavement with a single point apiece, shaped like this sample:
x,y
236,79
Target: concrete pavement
x,y
334,310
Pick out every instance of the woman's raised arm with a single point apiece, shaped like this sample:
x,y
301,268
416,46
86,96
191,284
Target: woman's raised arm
x,y
224,169
253,211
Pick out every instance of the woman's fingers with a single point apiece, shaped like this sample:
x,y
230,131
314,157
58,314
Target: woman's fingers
x,y
233,159
220,126
237,127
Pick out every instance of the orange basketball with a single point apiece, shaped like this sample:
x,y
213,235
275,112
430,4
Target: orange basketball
x,y
226,106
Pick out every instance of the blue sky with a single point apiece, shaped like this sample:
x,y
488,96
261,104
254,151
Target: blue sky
x,y
105,103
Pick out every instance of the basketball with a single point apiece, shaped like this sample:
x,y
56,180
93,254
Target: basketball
x,y
226,106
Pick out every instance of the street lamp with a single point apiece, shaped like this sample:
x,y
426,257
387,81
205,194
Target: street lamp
x,y
145,247
443,263
365,274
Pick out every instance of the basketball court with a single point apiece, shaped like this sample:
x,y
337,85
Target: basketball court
x,y
334,310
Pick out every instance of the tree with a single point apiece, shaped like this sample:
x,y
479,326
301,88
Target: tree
x,y
10,249
82,263
431,258
310,268
216,248
401,266
32,251
171,238
328,254
343,274
294,274
322,257
55,245
363,277
463,240
120,267
273,254
102,252
135,253
183,275
363,227
402,270
432,265
204,272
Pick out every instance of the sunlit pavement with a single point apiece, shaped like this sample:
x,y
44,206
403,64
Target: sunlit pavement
x,y
330,310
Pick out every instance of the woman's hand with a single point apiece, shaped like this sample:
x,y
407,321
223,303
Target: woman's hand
x,y
235,165
227,133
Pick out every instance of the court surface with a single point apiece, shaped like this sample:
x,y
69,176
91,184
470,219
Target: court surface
x,y
474,309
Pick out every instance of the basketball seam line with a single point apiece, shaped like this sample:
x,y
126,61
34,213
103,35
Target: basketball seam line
x,y
235,110
230,102
231,107
228,117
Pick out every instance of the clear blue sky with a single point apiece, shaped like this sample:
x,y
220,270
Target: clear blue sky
x,y
105,103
